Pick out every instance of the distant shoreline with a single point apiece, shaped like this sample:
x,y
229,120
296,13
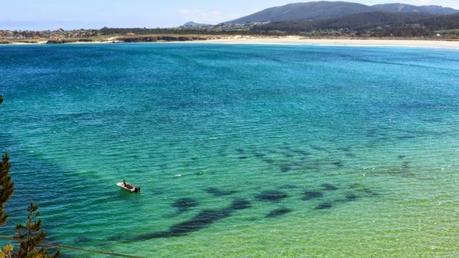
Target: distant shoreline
x,y
297,40
278,40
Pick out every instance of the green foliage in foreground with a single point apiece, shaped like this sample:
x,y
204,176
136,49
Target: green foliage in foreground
x,y
6,183
6,186
31,236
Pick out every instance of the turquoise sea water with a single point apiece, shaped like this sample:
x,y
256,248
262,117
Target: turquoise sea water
x,y
241,151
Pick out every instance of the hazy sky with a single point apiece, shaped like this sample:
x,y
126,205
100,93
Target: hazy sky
x,y
70,14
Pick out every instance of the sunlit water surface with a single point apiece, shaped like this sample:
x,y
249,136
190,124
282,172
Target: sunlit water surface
x,y
240,151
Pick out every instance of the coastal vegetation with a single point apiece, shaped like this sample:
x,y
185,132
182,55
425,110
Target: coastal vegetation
x,y
31,236
303,29
374,24
6,185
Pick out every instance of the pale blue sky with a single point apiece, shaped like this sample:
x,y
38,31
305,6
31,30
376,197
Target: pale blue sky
x,y
70,14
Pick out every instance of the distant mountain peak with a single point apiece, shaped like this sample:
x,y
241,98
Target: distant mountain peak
x,y
194,25
303,11
318,10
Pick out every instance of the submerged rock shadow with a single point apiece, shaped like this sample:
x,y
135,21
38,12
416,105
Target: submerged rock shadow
x,y
278,212
309,195
184,204
271,196
353,193
202,220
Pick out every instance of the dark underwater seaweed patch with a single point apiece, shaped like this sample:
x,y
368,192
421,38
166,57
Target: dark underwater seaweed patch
x,y
278,212
369,192
285,168
338,164
329,187
240,151
286,154
297,164
309,195
324,206
259,155
351,197
251,219
405,169
288,186
184,204
117,238
349,155
198,222
433,120
268,160
292,158
271,196
406,165
218,192
222,151
242,157
202,220
286,147
240,204
345,149
376,141
357,186
372,132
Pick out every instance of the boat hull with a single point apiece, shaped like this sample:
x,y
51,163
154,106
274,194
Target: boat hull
x,y
133,189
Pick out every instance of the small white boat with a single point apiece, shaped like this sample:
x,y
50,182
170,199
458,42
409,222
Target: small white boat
x,y
128,187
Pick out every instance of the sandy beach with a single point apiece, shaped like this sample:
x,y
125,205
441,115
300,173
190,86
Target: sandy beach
x,y
338,42
290,40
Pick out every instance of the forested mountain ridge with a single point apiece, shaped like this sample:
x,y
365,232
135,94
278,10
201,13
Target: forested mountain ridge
x,y
331,10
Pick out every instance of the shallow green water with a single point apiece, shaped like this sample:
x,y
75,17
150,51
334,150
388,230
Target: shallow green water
x,y
280,151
